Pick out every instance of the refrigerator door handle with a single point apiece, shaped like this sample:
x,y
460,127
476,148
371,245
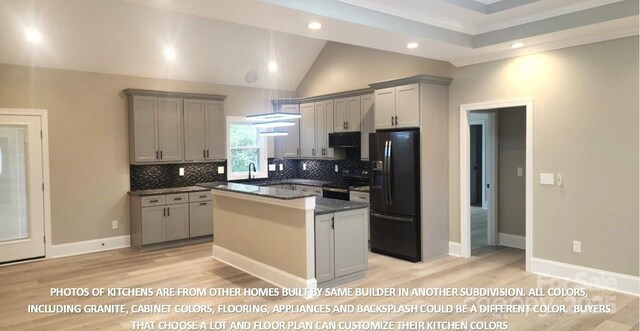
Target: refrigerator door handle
x,y
389,174
391,217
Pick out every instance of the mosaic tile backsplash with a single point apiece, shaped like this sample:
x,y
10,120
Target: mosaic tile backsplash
x,y
144,177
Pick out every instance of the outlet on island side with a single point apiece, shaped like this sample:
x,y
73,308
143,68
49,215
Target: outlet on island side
x,y
114,224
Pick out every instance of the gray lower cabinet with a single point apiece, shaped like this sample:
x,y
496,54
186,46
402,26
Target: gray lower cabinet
x,y
309,189
341,247
167,217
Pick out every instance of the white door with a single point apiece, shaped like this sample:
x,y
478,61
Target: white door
x,y
21,188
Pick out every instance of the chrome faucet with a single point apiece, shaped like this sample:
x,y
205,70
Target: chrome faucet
x,y
254,169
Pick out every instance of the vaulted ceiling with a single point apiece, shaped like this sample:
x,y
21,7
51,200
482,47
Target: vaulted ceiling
x,y
220,41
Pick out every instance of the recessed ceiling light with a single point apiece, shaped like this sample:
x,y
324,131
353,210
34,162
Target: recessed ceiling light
x,y
517,45
314,25
412,45
273,66
33,35
169,53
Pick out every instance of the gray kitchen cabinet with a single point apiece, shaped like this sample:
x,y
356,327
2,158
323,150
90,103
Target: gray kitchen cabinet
x,y
170,129
155,129
153,227
177,222
204,130
289,145
167,217
341,247
309,189
397,107
307,130
347,114
323,126
324,248
366,106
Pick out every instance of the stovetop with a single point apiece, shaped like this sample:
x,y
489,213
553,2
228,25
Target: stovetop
x,y
351,178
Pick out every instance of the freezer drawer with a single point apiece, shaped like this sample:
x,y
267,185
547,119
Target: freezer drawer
x,y
395,235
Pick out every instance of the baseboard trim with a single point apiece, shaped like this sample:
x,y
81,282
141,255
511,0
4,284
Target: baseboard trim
x,y
512,240
455,248
587,276
265,272
89,246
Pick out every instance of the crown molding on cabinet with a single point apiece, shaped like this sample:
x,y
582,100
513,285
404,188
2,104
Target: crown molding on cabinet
x,y
166,94
412,80
338,95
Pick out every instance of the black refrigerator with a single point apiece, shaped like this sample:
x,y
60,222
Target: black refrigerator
x,y
395,194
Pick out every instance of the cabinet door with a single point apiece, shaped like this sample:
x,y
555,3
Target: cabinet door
x,y
353,114
350,237
194,130
153,227
200,219
291,142
145,128
307,130
385,108
408,106
177,221
324,128
215,134
324,248
170,129
366,106
341,113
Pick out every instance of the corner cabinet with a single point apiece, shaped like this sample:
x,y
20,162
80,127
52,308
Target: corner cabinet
x,y
204,130
341,247
170,127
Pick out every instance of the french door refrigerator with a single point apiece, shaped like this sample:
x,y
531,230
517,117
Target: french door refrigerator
x,y
395,194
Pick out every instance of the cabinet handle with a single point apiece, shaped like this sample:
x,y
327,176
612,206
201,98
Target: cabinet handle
x,y
347,124
168,212
396,120
157,155
207,153
313,151
297,150
203,196
160,155
164,212
333,223
177,199
154,201
204,153
203,203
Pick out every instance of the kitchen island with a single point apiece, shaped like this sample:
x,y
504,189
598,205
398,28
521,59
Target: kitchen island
x,y
289,238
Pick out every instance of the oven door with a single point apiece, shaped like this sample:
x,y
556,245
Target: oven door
x,y
335,193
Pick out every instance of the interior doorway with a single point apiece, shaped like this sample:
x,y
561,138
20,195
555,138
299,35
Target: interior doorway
x,y
480,167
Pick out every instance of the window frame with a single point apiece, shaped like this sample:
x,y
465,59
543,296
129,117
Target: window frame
x,y
262,147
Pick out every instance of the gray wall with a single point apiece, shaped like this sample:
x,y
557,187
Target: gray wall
x,y
512,124
585,127
342,67
89,164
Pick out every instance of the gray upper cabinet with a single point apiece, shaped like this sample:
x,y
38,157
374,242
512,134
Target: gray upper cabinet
x,y
144,129
289,145
397,107
366,106
203,130
323,126
170,129
385,103
307,130
347,114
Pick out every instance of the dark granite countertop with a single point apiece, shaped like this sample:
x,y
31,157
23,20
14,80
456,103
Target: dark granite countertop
x,y
270,192
295,181
360,189
185,189
329,206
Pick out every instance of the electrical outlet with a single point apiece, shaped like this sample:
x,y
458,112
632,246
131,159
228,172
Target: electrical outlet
x,y
220,170
577,246
181,171
272,167
281,166
304,166
547,179
519,171
114,224
336,168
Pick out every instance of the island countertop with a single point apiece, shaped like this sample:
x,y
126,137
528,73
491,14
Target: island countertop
x,y
264,191
170,190
330,206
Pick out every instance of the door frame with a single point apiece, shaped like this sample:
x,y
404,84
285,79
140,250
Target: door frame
x,y
46,208
465,219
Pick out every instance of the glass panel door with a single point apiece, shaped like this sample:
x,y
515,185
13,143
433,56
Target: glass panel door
x,y
13,184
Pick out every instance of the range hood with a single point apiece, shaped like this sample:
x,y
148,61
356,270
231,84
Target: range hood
x,y
344,140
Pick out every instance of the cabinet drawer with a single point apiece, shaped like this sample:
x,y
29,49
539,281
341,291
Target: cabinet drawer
x,y
200,196
177,198
359,197
153,200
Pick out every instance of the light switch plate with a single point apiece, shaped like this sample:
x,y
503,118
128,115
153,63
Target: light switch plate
x,y
272,167
220,170
577,246
519,171
304,166
281,166
181,171
336,168
547,179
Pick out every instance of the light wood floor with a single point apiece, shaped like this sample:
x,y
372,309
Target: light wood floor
x,y
478,227
192,266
